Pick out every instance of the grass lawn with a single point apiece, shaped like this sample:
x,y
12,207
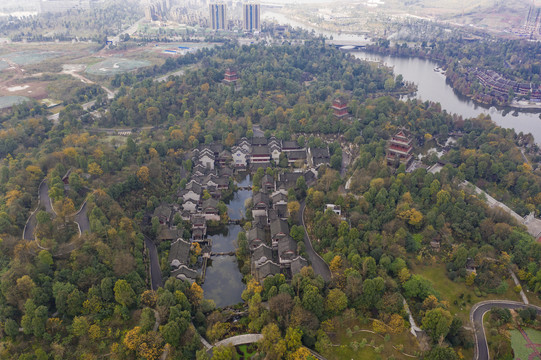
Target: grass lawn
x,y
451,291
458,291
348,345
519,343
246,353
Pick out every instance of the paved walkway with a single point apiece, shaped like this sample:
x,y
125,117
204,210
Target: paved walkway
x,y
240,340
532,224
318,264
517,283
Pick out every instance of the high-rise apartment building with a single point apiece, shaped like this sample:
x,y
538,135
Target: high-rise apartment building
x,y
252,17
218,16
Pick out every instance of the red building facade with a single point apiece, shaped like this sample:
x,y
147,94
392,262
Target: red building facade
x,y
230,76
340,108
399,149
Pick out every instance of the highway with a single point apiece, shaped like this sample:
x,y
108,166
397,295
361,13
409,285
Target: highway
x,y
477,313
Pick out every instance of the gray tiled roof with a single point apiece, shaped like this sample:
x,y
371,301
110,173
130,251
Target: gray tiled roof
x,y
279,226
180,250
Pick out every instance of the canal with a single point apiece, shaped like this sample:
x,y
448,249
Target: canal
x,y
223,281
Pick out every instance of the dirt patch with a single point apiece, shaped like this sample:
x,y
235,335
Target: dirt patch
x,y
34,89
113,66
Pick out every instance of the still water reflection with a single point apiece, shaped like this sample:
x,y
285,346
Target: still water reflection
x,y
223,282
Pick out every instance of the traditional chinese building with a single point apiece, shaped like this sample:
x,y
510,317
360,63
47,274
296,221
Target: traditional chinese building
x,y
340,108
230,76
399,149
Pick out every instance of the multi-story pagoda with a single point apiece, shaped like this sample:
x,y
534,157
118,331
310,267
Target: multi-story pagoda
x,y
230,76
340,108
399,149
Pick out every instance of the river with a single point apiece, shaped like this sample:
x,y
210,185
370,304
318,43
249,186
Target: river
x,y
223,281
432,85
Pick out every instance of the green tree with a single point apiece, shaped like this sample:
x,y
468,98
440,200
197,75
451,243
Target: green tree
x,y
418,287
437,323
11,328
372,293
313,301
172,333
124,294
224,352
272,344
441,353
336,301
147,319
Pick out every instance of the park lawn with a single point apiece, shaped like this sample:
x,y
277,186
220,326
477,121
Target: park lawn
x,y
452,291
519,343
376,347
243,349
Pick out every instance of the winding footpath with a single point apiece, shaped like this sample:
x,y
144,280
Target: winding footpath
x,y
318,264
477,313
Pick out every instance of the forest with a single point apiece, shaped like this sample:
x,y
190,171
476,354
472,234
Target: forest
x,y
65,295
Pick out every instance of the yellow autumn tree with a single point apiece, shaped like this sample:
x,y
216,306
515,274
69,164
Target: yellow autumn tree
x,y
293,208
415,218
11,196
301,353
70,152
98,153
336,264
176,134
143,174
196,248
196,129
253,287
230,140
470,279
34,172
195,294
379,327
133,338
396,324
404,275
94,169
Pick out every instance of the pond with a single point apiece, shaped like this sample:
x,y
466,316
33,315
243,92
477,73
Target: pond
x,y
223,281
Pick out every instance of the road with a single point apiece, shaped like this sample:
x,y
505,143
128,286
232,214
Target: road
x,y
130,31
155,271
44,198
54,117
346,158
81,218
477,313
44,202
318,264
